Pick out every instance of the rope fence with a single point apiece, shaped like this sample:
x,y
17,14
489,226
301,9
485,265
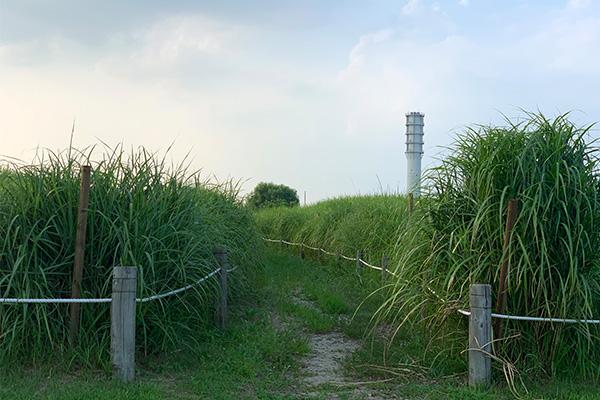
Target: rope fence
x,y
321,250
536,319
15,300
123,313
463,312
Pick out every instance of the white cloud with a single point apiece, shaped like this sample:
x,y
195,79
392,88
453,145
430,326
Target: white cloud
x,y
357,54
174,37
463,3
579,3
413,7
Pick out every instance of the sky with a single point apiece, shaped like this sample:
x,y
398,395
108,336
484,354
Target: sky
x,y
311,94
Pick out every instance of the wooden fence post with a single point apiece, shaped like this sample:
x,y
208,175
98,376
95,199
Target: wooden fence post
x,y
280,243
220,253
301,250
359,255
410,204
84,197
320,256
480,334
384,266
511,218
122,322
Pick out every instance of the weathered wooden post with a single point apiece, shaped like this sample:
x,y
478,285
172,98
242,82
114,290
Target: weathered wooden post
x,y
122,322
359,255
220,253
384,266
410,204
480,335
511,218
301,250
84,197
320,256
280,243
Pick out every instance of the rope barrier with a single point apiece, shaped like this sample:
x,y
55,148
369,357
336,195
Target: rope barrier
x,y
172,292
537,319
463,312
366,264
42,301
108,300
312,248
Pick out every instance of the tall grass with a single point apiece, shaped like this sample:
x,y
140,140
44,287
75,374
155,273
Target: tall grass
x,y
342,225
554,260
162,219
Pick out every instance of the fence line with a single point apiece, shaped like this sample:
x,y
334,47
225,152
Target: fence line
x,y
463,312
14,300
366,264
537,319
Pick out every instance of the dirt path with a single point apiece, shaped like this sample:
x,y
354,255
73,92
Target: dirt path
x,y
322,365
322,372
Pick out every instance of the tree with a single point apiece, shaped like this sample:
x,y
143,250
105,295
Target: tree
x,y
267,195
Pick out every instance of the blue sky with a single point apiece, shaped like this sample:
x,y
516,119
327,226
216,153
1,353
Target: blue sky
x,y
312,94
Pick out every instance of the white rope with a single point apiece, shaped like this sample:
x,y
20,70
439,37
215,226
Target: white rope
x,y
46,301
172,292
538,319
144,300
312,248
348,258
271,240
291,243
366,264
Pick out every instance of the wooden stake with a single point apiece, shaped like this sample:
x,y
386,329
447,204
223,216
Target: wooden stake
x,y
511,217
480,335
122,323
410,204
384,266
359,255
84,197
220,253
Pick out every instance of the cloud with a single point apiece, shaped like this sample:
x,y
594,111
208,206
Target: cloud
x,y
463,3
579,3
413,7
169,39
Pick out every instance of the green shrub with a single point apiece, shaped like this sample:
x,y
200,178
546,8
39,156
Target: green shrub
x,y
268,195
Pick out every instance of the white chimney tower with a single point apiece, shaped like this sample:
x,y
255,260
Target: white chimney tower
x,y
414,151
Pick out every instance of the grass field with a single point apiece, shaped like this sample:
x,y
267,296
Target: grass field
x,y
262,353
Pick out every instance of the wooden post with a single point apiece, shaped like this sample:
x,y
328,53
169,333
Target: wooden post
x,y
511,218
280,243
320,256
359,255
301,250
220,253
84,197
410,204
480,335
122,323
384,266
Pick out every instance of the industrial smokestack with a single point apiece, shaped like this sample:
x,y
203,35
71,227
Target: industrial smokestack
x,y
414,151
